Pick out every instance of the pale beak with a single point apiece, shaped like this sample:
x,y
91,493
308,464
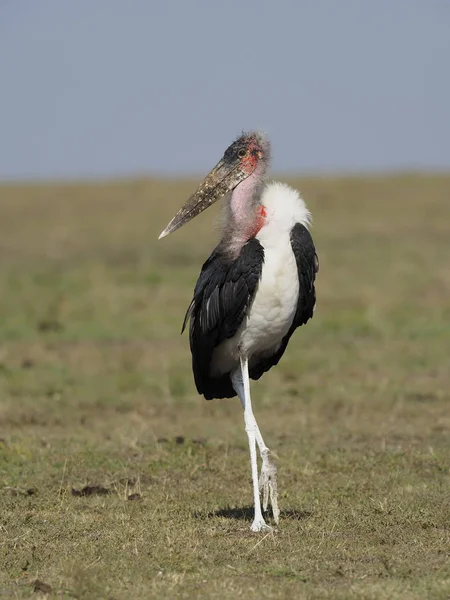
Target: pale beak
x,y
222,179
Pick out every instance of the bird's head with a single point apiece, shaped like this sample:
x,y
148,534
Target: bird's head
x,y
248,155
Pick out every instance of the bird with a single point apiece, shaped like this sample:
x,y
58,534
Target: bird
x,y
256,288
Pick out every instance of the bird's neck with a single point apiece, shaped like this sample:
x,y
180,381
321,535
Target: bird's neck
x,y
245,215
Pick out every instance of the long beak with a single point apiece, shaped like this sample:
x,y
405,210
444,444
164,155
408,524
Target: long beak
x,y
221,180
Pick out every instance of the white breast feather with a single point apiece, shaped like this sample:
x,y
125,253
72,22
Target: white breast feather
x,y
275,301
284,206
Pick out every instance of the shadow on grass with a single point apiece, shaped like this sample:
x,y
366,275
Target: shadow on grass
x,y
246,513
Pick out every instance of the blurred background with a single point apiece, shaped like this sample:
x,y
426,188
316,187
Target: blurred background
x,y
110,113
108,88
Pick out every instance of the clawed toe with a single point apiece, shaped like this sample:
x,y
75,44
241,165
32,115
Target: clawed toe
x,y
260,525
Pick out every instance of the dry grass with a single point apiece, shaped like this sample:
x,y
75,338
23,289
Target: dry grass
x,y
117,481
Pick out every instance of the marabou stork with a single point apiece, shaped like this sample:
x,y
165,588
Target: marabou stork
x,y
253,292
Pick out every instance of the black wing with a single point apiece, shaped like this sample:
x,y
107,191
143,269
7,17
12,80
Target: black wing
x,y
307,267
222,296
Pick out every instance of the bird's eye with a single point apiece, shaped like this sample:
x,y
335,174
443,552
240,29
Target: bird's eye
x,y
242,153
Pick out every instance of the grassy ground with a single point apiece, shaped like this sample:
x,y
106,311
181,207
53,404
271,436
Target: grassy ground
x,y
118,481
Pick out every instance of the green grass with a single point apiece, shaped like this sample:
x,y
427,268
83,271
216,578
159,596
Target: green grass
x,y
96,390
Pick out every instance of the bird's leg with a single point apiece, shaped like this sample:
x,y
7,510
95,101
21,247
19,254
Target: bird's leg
x,y
268,484
241,384
268,476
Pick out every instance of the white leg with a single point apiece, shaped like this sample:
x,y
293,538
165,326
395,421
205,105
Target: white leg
x,y
267,482
268,477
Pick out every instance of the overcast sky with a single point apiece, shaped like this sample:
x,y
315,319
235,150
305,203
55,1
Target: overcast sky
x,y
123,87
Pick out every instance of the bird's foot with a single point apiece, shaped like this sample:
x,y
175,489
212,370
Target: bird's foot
x,y
260,525
268,484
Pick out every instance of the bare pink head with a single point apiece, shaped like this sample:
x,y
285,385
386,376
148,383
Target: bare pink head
x,y
251,151
246,159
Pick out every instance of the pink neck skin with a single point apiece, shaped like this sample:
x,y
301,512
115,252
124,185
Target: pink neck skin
x,y
244,214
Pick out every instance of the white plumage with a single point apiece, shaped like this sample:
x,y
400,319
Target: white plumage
x,y
273,308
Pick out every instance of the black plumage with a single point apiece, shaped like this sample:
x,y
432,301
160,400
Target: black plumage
x,y
222,297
